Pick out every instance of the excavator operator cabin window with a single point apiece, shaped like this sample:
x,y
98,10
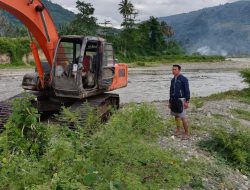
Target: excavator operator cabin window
x,y
67,54
108,57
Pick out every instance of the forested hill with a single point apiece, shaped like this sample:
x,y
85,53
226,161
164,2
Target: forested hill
x,y
59,14
223,29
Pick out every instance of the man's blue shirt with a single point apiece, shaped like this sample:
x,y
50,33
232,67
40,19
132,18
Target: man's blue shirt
x,y
180,88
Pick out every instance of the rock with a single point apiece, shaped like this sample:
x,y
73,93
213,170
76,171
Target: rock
x,y
243,187
173,137
245,177
5,58
209,115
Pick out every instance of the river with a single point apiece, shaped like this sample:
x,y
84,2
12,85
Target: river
x,y
152,84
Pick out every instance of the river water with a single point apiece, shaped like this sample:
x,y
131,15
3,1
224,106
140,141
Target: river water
x,y
153,84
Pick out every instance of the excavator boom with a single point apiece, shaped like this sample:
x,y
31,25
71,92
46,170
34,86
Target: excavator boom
x,y
37,19
82,68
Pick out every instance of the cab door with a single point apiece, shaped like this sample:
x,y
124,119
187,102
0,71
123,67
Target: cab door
x,y
107,67
66,70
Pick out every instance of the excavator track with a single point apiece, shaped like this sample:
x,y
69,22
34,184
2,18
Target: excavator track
x,y
100,105
5,111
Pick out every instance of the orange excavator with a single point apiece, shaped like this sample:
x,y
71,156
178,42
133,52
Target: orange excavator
x,y
78,68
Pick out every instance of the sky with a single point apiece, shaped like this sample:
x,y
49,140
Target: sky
x,y
108,9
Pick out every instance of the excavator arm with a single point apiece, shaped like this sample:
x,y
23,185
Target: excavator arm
x,y
37,19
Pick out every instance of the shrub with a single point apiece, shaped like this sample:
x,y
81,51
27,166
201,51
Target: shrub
x,y
34,155
232,146
122,154
246,75
16,47
126,156
24,132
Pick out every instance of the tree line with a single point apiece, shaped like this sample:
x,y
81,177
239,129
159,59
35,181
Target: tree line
x,y
147,38
151,37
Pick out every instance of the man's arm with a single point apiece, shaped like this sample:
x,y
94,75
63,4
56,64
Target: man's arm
x,y
171,90
186,90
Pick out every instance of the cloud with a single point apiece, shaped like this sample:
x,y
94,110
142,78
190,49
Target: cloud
x,y
108,9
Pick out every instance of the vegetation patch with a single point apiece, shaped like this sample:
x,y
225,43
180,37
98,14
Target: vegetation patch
x,y
198,102
246,75
15,47
149,61
240,95
232,146
243,114
122,154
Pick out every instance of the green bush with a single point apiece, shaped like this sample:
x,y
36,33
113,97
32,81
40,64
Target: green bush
x,y
243,114
34,155
165,59
246,75
24,132
121,154
233,146
126,156
15,47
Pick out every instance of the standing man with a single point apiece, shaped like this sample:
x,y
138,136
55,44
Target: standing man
x,y
179,100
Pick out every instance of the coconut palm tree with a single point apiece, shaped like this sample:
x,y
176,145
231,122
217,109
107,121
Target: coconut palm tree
x,y
126,8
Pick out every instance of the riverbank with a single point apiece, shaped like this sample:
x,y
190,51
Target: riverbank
x,y
154,61
227,112
16,67
229,64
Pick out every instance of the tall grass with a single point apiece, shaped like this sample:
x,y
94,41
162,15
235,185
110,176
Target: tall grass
x,y
165,59
232,146
246,75
122,154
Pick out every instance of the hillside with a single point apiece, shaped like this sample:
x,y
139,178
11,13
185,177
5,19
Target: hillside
x,y
59,14
223,29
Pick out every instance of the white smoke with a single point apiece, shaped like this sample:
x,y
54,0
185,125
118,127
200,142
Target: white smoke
x,y
206,50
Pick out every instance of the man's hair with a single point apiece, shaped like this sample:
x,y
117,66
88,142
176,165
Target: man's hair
x,y
179,67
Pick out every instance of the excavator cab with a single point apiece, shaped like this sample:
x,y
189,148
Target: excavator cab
x,y
77,68
82,66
